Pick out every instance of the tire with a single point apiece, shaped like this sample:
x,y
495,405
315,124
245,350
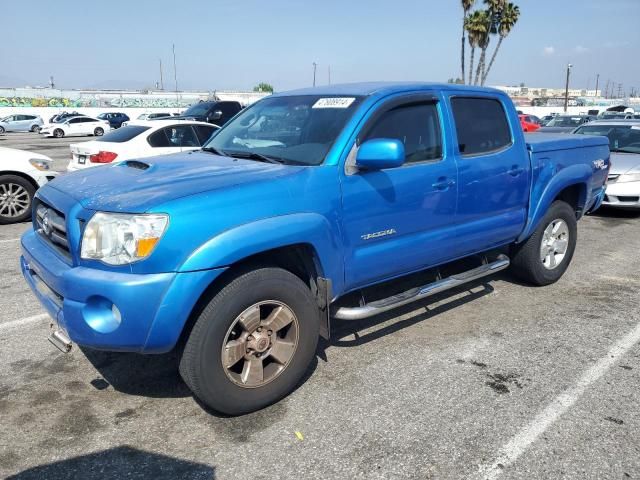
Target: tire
x,y
1,130
527,260
58,133
98,132
34,129
221,387
16,198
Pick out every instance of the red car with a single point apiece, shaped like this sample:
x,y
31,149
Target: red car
x,y
529,123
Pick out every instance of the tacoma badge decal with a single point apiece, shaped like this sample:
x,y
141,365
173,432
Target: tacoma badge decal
x,y
382,233
599,164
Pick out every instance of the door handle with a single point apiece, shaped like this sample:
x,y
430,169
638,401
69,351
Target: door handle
x,y
443,184
515,171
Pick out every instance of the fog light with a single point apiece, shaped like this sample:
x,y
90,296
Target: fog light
x,y
101,315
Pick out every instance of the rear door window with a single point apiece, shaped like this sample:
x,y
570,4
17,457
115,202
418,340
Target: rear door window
x,y
174,136
481,125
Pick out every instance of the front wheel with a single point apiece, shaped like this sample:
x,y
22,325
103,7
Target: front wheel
x,y
253,342
16,197
58,133
98,132
1,130
544,257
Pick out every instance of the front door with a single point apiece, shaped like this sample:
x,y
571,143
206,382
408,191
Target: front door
x,y
400,220
493,174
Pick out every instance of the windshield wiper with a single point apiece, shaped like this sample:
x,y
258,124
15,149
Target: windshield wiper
x,y
256,156
215,150
624,150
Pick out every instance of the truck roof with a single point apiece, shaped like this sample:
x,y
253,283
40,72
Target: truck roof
x,y
370,88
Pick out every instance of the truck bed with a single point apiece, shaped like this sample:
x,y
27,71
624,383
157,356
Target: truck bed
x,y
547,142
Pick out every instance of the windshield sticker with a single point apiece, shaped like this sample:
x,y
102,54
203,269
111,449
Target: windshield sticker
x,y
338,102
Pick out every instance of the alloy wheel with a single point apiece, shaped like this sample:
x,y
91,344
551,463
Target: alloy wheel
x,y
555,241
14,200
260,343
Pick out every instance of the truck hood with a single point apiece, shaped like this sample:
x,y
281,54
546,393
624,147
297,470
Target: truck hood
x,y
623,162
137,185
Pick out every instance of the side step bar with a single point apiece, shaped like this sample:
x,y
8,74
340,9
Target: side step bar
x,y
418,293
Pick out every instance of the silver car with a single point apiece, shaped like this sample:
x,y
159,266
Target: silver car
x,y
21,123
623,185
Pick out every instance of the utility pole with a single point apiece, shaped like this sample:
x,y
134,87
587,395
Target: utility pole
x,y
619,91
175,72
315,65
51,82
161,80
597,81
606,90
566,88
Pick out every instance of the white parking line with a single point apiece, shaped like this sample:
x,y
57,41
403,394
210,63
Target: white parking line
x,y
10,240
515,447
23,321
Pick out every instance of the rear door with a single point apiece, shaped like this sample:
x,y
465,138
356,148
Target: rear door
x,y
493,173
399,220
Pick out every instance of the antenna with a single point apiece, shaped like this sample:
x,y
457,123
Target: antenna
x,y
175,72
315,65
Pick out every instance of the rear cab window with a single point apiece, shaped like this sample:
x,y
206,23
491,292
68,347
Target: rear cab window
x,y
481,125
124,134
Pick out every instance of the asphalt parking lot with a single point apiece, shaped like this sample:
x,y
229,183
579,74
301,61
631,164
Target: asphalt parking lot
x,y
499,380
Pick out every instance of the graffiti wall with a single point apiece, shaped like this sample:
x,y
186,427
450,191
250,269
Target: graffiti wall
x,y
39,98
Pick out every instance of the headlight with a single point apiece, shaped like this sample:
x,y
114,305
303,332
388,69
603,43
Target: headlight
x,y
40,164
119,239
628,177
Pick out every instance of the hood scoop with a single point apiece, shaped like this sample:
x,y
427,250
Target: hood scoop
x,y
137,164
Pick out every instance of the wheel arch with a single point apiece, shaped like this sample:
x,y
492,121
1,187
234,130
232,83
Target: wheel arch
x,y
29,178
569,185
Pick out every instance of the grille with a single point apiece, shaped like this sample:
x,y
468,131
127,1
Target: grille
x,y
51,227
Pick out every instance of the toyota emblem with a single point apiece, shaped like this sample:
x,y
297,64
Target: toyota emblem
x,y
46,227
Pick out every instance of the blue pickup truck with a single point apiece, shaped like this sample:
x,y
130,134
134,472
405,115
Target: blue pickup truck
x,y
336,202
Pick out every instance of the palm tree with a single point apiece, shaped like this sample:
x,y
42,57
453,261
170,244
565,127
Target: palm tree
x,y
476,26
508,18
482,26
466,7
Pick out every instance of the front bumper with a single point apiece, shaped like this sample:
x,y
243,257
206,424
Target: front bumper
x,y
623,195
111,310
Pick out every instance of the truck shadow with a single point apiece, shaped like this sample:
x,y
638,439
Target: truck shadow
x,y
117,463
156,376
613,213
445,301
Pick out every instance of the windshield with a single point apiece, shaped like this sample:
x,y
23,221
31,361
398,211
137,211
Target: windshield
x,y
293,129
621,138
198,109
565,122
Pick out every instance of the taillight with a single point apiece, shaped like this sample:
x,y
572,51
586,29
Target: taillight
x,y
103,157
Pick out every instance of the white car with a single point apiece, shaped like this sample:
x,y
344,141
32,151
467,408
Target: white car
x,y
21,174
76,126
141,139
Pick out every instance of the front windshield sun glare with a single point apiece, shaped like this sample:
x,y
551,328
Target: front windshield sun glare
x,y
296,130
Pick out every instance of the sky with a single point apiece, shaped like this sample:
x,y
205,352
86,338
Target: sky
x,y
235,44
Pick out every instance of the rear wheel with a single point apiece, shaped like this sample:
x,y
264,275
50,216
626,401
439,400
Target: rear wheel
x,y
544,257
1,130
253,342
35,128
58,133
98,132
16,196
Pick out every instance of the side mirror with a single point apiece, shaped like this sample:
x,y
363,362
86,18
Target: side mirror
x,y
380,153
66,123
217,115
